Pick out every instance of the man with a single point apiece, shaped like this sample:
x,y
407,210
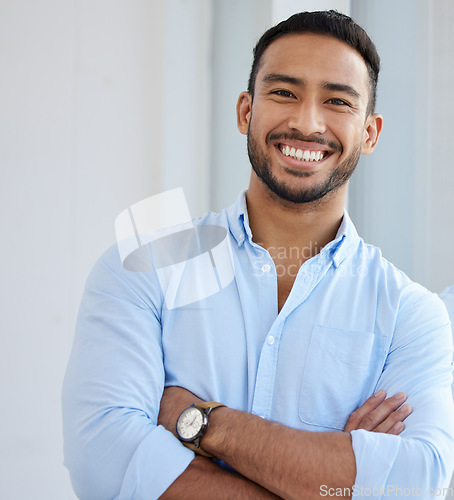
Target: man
x,y
295,344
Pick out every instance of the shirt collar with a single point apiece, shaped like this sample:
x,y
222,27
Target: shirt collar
x,y
345,242
343,245
238,220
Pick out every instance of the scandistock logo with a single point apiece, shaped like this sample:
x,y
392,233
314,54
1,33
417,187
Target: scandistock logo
x,y
192,262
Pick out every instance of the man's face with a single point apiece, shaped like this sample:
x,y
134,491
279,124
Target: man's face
x,y
307,123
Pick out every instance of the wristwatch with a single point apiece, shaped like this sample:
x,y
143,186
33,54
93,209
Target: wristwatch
x,y
193,423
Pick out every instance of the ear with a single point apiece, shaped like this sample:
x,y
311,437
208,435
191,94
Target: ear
x,y
243,112
372,129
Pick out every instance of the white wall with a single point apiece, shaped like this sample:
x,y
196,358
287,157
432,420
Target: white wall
x,y
440,225
80,129
401,196
282,9
186,101
237,25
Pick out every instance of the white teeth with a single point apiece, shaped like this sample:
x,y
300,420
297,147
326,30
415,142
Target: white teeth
x,y
300,154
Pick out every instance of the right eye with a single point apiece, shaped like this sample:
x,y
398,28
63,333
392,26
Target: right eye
x,y
282,93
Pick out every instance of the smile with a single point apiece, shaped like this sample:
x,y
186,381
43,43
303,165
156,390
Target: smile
x,y
302,154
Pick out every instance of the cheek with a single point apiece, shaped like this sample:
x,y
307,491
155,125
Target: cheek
x,y
258,130
266,119
349,133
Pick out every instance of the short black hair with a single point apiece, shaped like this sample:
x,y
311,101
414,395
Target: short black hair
x,y
330,23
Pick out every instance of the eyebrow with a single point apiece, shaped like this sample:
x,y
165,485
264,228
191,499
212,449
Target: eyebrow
x,y
278,77
337,87
341,87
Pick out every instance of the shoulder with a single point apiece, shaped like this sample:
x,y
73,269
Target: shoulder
x,y
111,283
448,298
447,293
398,290
141,264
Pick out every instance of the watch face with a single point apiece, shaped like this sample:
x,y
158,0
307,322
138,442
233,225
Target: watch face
x,y
190,423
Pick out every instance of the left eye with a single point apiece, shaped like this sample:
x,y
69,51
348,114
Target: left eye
x,y
338,102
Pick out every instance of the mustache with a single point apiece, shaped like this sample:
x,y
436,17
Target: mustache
x,y
296,136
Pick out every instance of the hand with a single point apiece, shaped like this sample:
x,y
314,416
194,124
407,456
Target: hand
x,y
174,400
378,414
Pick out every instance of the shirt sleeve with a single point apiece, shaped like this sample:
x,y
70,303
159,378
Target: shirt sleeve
x,y
113,446
419,462
448,298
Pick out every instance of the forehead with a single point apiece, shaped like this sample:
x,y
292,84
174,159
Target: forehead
x,y
313,58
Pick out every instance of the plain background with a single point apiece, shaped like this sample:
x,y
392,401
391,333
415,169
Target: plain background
x,y
106,102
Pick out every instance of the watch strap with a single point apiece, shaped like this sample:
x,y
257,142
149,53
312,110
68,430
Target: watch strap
x,y
197,450
211,405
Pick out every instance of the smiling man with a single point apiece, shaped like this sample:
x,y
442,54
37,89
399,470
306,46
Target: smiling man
x,y
275,386
314,125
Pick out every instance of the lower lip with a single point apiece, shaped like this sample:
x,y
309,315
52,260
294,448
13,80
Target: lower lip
x,y
301,164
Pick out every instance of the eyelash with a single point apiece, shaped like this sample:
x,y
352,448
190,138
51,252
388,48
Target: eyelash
x,y
335,100
341,101
280,93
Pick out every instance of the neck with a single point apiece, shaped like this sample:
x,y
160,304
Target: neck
x,y
278,224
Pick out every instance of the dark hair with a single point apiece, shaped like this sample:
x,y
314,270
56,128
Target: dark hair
x,y
330,23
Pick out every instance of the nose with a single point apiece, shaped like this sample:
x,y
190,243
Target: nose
x,y
307,118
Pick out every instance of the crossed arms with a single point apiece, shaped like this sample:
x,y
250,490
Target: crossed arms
x,y
114,447
279,462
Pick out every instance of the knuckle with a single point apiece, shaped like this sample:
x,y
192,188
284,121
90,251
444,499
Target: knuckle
x,y
354,417
368,420
393,419
390,405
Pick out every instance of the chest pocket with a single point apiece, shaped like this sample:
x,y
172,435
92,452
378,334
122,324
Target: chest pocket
x,y
341,371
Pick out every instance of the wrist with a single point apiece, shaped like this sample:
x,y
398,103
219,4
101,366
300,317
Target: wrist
x,y
174,400
213,438
193,423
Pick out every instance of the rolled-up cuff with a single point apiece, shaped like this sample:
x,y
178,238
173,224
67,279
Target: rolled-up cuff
x,y
375,454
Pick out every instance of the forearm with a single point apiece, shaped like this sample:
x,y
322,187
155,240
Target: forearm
x,y
291,463
205,480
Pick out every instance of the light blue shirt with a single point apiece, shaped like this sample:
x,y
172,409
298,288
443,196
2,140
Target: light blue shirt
x,y
448,297
351,325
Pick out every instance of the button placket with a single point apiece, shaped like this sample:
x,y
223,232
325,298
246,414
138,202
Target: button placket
x,y
266,373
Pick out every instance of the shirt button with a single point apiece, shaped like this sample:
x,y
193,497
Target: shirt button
x,y
270,340
266,268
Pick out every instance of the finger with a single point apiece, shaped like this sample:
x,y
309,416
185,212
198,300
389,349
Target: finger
x,y
382,412
368,406
394,419
397,429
